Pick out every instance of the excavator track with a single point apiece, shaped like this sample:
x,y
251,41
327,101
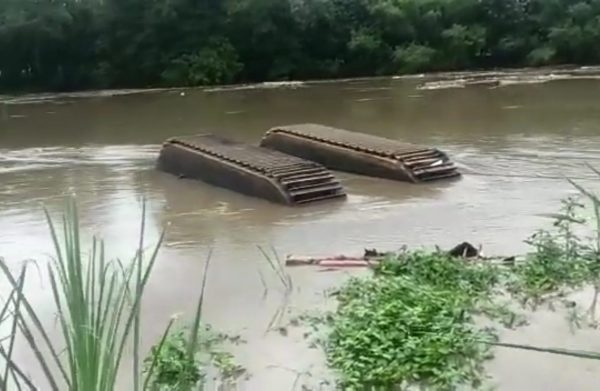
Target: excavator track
x,y
249,169
361,153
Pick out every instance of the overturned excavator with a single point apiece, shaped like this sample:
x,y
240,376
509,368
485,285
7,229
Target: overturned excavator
x,y
360,153
248,169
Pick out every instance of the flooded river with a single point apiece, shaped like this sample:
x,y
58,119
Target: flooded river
x,y
515,145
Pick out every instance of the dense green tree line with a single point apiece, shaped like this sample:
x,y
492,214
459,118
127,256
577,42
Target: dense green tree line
x,y
77,44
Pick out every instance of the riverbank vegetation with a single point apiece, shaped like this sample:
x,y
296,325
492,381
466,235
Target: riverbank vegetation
x,y
83,44
98,303
430,319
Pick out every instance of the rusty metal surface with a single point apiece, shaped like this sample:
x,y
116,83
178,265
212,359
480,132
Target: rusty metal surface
x,y
423,163
302,180
256,158
354,140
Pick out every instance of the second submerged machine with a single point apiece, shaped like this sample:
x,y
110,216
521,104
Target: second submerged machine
x,y
361,153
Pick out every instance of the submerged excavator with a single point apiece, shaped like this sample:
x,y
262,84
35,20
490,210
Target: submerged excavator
x,y
291,165
248,169
361,153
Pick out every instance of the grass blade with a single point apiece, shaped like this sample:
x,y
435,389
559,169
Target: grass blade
x,y
594,169
15,321
64,323
193,344
16,371
138,287
27,333
98,304
137,300
157,353
40,328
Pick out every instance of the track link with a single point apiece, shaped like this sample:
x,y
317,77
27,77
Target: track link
x,y
302,181
419,162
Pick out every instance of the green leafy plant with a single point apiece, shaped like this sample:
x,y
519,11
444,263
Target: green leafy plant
x,y
443,271
391,332
592,251
413,322
559,261
173,368
228,368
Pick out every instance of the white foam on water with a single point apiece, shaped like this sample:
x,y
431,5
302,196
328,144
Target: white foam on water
x,y
259,86
29,159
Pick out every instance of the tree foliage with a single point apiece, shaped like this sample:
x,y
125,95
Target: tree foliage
x,y
77,44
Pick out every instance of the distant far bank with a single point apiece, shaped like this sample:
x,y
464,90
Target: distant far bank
x,y
428,81
75,45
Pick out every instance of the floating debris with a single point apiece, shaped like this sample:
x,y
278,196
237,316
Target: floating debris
x,y
373,257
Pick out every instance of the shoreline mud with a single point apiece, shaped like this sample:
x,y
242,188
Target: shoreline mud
x,y
435,80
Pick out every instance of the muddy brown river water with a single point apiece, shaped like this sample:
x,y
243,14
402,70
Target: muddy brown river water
x,y
515,144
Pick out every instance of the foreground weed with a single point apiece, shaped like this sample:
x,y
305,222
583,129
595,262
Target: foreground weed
x,y
173,369
443,271
224,362
394,331
285,279
98,303
592,250
559,260
546,270
413,322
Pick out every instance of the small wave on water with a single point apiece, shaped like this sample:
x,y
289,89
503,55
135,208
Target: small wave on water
x,y
66,97
529,162
118,156
259,86
493,79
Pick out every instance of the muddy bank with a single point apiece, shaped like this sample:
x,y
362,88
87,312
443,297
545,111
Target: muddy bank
x,y
430,81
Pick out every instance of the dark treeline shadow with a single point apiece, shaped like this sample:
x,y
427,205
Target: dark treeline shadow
x,y
75,44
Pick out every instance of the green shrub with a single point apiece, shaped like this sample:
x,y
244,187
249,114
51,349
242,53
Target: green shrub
x,y
392,332
173,368
414,58
541,56
442,271
215,64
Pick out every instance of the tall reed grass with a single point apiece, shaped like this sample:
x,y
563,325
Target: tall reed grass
x,y
98,303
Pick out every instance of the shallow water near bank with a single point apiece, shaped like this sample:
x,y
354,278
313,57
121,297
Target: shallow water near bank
x,y
514,144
